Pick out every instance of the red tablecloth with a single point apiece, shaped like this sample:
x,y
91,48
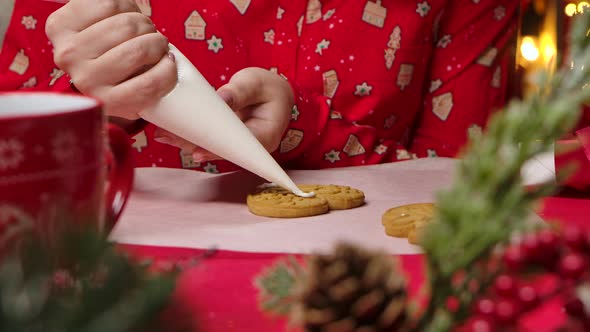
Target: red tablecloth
x,y
221,295
220,291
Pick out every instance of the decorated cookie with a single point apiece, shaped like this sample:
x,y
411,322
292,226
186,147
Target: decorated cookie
x,y
338,197
279,203
402,221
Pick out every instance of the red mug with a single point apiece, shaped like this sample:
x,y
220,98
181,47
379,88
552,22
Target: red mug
x,y
55,162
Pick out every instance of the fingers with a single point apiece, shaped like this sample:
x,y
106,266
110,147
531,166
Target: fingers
x,y
101,37
121,62
112,52
140,92
75,16
270,125
112,32
251,86
260,98
245,88
263,100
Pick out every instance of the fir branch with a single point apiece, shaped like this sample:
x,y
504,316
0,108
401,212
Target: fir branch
x,y
80,283
278,287
488,201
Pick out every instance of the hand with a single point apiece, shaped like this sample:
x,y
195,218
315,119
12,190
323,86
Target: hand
x,y
112,52
260,98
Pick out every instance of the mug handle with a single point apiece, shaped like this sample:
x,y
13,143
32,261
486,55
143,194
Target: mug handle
x,y
120,174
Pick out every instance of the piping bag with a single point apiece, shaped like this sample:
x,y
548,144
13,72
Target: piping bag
x,y
194,111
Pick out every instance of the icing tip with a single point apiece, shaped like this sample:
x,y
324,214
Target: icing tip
x,y
304,194
298,192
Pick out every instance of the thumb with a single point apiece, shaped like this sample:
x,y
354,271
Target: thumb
x,y
227,95
244,89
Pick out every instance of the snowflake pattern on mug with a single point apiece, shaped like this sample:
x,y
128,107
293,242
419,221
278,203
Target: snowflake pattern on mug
x,y
11,154
65,148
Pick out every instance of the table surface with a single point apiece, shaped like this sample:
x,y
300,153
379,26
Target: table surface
x,y
174,215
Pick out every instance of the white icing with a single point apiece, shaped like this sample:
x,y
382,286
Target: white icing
x,y
296,192
304,194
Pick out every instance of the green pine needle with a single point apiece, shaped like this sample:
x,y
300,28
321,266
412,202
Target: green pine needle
x,y
488,201
80,283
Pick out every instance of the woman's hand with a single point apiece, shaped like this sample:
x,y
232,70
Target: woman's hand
x,y
112,52
260,98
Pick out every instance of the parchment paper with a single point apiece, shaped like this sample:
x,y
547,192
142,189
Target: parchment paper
x,y
184,208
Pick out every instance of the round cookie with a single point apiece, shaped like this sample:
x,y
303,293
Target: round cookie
x,y
279,203
415,235
400,221
338,197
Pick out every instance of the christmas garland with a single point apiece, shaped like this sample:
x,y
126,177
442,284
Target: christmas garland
x,y
477,279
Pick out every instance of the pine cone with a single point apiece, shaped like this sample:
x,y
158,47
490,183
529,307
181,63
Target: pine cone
x,y
353,290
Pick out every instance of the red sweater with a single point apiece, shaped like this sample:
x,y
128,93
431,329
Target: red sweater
x,y
375,81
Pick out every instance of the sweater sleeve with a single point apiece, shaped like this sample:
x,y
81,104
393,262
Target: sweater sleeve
x,y
469,77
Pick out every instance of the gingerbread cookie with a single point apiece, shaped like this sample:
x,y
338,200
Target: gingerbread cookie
x,y
415,235
338,197
277,202
402,221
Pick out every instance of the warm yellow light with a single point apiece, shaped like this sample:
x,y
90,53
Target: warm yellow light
x,y
583,6
547,45
549,52
570,9
528,49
